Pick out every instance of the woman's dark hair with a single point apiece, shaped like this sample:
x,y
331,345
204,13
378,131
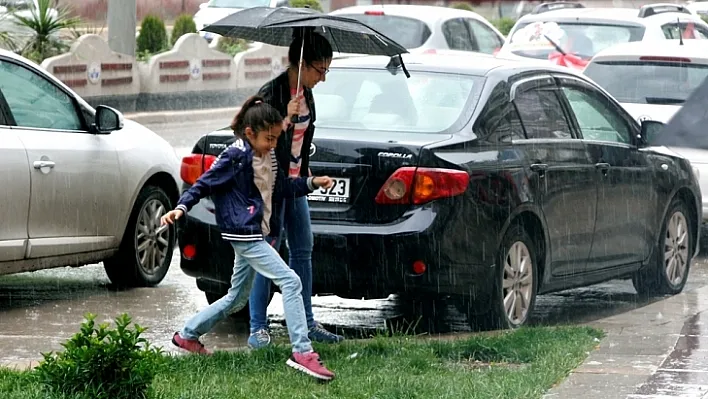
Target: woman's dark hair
x,y
317,48
256,114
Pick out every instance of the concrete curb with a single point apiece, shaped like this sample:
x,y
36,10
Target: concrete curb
x,y
146,118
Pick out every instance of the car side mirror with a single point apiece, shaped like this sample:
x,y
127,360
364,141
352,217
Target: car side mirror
x,y
107,120
650,130
203,6
282,3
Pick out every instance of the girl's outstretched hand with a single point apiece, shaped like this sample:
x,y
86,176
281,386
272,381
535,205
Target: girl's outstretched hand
x,y
171,216
323,181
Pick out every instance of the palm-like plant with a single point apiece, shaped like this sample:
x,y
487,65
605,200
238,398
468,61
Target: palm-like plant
x,y
45,25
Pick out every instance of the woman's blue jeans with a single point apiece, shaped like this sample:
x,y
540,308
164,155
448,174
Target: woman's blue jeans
x,y
296,220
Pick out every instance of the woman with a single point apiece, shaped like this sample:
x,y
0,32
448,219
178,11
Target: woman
x,y
293,156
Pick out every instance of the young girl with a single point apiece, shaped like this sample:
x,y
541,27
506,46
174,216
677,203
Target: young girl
x,y
242,182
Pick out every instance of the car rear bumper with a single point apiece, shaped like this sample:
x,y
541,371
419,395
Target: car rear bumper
x,y
355,260
352,260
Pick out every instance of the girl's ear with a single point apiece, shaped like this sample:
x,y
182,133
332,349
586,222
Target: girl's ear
x,y
249,132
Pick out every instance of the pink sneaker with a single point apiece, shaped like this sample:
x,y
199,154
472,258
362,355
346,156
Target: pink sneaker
x,y
190,345
310,364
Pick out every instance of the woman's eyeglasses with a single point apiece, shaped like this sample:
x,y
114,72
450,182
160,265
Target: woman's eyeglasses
x,y
322,72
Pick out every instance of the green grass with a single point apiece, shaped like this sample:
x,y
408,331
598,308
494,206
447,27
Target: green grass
x,y
519,364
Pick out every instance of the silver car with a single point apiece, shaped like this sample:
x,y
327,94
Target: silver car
x,y
79,185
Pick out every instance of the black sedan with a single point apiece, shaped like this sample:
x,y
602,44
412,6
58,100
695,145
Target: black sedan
x,y
479,180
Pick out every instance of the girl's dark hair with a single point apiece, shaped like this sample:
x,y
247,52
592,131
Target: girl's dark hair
x,y
256,114
317,48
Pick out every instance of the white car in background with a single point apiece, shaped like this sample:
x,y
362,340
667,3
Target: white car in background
x,y
428,28
652,81
587,31
699,7
80,185
214,10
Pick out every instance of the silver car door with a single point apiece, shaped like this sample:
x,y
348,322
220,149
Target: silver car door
x,y
15,192
74,174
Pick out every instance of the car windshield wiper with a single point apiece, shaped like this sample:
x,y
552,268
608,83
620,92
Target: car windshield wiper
x,y
664,100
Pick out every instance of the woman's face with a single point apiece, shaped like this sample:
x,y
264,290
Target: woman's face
x,y
314,72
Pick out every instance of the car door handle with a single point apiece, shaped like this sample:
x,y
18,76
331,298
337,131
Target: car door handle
x,y
539,167
43,164
602,165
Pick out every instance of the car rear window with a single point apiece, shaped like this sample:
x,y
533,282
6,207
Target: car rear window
x,y
408,32
648,82
372,99
582,39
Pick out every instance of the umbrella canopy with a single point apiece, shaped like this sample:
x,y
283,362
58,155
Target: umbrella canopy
x,y
687,128
278,27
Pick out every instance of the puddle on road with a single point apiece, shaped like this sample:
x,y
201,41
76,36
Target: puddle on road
x,y
40,310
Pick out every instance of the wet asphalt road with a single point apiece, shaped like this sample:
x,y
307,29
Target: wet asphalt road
x,y
40,310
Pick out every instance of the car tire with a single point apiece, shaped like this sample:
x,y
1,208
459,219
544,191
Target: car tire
x,y
146,267
670,263
515,275
242,314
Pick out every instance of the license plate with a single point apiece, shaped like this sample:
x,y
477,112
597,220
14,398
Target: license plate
x,y
338,193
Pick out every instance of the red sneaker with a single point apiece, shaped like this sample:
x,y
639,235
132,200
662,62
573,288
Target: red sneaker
x,y
190,345
310,364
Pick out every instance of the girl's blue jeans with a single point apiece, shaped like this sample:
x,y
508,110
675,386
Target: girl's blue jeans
x,y
252,257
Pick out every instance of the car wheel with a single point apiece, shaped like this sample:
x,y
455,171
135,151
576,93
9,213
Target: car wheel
x,y
671,261
243,314
146,250
515,279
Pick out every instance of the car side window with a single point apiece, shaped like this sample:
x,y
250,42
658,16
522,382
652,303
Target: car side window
x,y
457,36
687,30
596,116
36,102
502,125
487,40
542,114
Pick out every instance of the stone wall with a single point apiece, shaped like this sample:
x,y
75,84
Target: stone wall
x,y
192,75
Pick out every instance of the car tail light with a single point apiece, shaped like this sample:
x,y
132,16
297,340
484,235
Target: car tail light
x,y
430,51
195,165
420,185
664,59
373,12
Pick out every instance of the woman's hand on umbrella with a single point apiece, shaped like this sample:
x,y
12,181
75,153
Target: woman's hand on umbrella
x,y
294,106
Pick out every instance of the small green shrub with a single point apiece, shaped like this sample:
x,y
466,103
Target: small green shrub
x,y
153,35
313,4
183,25
102,363
231,46
462,6
503,24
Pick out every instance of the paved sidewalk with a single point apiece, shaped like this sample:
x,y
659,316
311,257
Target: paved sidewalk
x,y
188,115
657,351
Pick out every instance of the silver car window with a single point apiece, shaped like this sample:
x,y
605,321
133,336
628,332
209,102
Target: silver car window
x,y
36,102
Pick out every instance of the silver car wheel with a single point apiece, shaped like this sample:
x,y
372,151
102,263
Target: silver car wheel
x,y
517,282
676,248
151,239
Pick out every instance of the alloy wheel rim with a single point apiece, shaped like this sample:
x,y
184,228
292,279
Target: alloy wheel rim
x,y
151,238
676,248
517,284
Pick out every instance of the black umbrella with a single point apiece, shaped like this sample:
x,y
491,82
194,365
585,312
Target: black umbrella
x,y
279,26
687,128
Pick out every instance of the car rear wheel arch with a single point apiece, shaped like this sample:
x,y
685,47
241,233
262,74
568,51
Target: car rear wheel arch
x,y
531,222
